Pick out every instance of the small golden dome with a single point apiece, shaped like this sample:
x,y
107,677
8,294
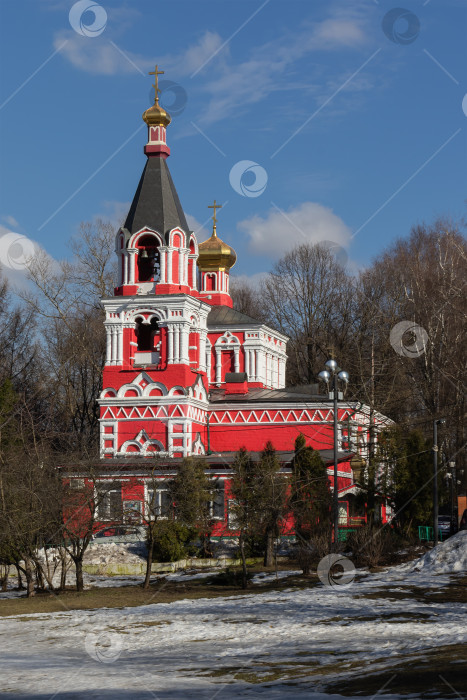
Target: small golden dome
x,y
214,254
156,115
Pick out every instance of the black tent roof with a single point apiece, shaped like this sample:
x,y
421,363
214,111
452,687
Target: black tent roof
x,y
156,203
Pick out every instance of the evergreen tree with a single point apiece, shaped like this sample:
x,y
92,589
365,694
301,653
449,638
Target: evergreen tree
x,y
192,496
310,499
408,461
270,489
244,495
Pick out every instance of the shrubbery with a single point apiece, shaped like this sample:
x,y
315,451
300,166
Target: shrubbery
x,y
174,541
373,546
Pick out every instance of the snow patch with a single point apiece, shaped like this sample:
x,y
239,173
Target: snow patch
x,y
448,557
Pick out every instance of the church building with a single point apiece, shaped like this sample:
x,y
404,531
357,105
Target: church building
x,y
185,373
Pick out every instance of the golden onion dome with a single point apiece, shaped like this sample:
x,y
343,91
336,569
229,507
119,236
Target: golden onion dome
x,y
156,115
214,254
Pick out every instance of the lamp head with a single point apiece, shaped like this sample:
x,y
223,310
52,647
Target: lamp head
x,y
324,376
343,376
331,365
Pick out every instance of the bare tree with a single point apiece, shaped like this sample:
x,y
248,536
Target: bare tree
x,y
308,296
66,299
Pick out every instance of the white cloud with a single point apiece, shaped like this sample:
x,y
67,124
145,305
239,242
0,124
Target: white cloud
x,y
103,56
115,212
96,56
229,84
281,231
253,280
11,221
16,252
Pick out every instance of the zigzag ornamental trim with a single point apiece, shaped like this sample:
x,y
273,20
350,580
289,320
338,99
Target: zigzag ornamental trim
x,y
176,408
196,414
275,417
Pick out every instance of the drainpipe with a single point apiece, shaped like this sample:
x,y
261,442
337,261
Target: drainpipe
x,y
208,434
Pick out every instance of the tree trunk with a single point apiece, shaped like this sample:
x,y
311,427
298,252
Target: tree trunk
x,y
242,554
5,576
147,577
269,551
28,571
20,580
63,570
305,563
79,573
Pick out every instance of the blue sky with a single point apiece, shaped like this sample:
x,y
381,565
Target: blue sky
x,y
349,119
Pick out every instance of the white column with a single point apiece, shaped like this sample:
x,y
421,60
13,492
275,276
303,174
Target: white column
x,y
108,346
162,258
193,265
125,268
208,361
237,358
120,346
218,365
176,344
132,256
185,337
112,345
248,363
170,345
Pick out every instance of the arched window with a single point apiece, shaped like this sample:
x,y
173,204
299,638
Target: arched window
x,y
148,259
145,333
210,282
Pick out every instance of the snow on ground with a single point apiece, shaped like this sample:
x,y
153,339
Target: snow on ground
x,y
264,577
277,644
115,553
448,557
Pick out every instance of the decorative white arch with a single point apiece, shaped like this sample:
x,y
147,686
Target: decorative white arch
x,y
177,388
181,232
147,314
197,447
143,384
109,393
197,390
144,444
133,242
229,342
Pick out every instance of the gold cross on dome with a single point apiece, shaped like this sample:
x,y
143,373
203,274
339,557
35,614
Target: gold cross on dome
x,y
214,206
156,73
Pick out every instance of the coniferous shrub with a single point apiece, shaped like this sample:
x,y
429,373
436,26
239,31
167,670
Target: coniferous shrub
x,y
173,541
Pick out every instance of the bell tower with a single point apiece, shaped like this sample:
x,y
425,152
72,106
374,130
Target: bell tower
x,y
215,260
155,383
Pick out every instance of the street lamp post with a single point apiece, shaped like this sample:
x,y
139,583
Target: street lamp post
x,y
452,474
331,376
440,421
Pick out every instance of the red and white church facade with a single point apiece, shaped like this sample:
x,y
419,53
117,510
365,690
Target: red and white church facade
x,y
185,373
